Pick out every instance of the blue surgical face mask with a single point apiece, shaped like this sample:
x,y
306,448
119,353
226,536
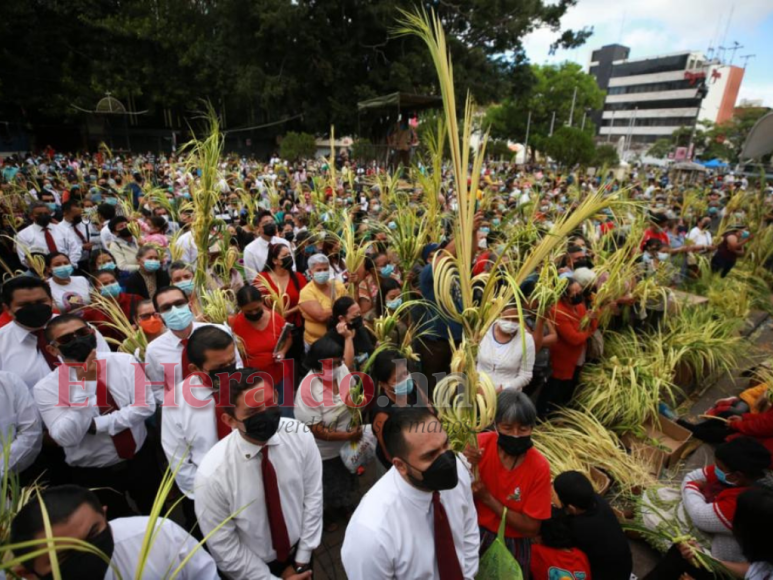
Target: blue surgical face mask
x,y
186,286
392,225
107,266
96,197
721,475
111,290
485,230
151,265
63,271
496,221
51,205
405,387
387,270
321,277
111,200
394,304
178,318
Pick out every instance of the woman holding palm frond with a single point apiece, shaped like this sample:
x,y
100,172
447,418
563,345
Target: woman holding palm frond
x,y
106,285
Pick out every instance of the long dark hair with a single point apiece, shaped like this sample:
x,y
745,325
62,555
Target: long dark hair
x,y
273,254
387,285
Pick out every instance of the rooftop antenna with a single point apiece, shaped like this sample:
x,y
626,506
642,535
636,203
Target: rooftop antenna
x,y
745,58
733,49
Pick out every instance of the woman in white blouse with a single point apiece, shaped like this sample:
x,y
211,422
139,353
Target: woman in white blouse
x,y
69,292
502,355
318,405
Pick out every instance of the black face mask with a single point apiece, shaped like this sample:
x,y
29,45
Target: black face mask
x,y
269,229
125,233
79,349
356,323
77,219
33,315
215,375
290,236
43,220
81,565
262,426
582,263
254,316
287,262
440,475
576,299
514,446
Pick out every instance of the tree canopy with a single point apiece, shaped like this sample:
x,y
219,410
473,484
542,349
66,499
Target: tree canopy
x,y
256,61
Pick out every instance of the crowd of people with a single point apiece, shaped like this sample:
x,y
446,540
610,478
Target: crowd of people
x,y
112,370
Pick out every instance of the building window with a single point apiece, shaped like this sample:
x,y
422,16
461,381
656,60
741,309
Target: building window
x,y
651,88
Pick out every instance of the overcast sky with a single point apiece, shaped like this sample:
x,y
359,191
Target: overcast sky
x,y
652,27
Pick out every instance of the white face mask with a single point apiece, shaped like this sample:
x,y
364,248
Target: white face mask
x,y
507,326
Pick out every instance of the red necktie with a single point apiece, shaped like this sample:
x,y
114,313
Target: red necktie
x,y
445,553
78,233
276,519
124,441
50,241
40,336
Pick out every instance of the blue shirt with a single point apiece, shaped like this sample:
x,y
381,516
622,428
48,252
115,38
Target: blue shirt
x,y
435,325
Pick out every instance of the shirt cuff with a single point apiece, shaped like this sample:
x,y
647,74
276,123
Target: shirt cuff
x,y
303,555
102,423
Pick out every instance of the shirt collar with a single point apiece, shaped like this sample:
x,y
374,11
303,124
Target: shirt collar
x,y
421,499
249,450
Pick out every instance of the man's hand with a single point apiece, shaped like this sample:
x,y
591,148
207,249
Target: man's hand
x,y
88,246
343,329
734,419
289,574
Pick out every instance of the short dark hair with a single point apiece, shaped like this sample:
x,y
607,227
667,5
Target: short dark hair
x,y
751,524
247,294
325,348
22,283
400,420
35,205
113,223
744,455
69,204
60,501
249,379
384,364
59,321
164,290
261,214
574,489
159,222
556,533
106,211
48,258
204,338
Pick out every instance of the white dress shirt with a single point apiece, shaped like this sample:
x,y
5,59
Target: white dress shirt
x,y
106,236
168,349
187,246
68,425
20,423
335,417
392,531
188,432
256,253
34,239
84,229
19,353
700,237
230,478
170,547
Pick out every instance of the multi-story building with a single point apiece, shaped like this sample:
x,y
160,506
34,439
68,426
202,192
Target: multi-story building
x,y
650,98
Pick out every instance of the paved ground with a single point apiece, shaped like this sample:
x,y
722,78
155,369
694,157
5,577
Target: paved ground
x,y
327,563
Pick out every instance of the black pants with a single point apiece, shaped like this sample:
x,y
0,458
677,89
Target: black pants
x,y
138,477
435,359
556,393
672,566
191,522
49,467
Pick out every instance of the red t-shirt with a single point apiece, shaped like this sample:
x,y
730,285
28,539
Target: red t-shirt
x,y
555,564
5,318
102,322
259,344
291,294
525,489
650,234
724,498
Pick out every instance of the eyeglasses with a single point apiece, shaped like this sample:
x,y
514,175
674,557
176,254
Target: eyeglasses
x,y
147,316
176,304
69,337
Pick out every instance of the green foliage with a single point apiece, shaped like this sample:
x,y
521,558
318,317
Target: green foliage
x,y
660,148
606,156
364,151
550,90
296,146
570,146
497,148
257,61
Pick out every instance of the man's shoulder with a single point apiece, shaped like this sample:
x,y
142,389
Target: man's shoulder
x,y
157,343
379,502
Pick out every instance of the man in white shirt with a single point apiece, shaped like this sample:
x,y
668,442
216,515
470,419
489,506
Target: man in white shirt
x,y
75,512
44,237
20,425
105,212
95,406
189,428
166,359
187,247
256,252
72,223
419,520
700,235
279,514
22,341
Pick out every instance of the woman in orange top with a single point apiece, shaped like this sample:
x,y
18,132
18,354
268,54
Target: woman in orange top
x,y
259,330
567,355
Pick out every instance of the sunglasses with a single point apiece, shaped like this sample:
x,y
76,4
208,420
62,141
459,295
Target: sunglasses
x,y
176,304
147,316
69,337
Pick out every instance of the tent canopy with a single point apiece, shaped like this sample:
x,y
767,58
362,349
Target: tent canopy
x,y
714,163
401,101
760,140
688,166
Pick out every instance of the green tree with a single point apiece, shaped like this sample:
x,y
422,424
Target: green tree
x,y
606,155
551,91
295,146
570,146
660,148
